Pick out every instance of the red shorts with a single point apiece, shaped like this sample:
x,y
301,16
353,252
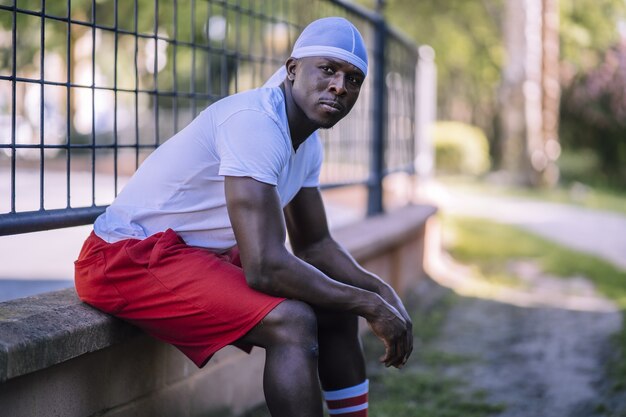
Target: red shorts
x,y
190,297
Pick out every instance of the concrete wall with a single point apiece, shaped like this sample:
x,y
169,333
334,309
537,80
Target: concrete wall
x,y
59,357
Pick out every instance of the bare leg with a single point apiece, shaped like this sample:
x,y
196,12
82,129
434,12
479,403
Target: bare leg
x,y
289,335
341,361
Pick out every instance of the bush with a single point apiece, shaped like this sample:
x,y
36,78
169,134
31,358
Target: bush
x,y
460,149
593,116
579,166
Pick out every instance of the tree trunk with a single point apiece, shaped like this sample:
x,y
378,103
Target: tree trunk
x,y
529,92
551,91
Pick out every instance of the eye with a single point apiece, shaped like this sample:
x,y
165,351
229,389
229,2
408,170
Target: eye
x,y
327,69
356,81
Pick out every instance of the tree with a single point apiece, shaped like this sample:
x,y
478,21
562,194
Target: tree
x,y
468,38
529,92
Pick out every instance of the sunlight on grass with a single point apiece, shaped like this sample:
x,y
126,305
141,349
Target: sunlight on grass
x,y
423,394
422,389
490,246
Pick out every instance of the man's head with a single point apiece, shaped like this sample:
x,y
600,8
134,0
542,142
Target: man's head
x,y
333,37
326,70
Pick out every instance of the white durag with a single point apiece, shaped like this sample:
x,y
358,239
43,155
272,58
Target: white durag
x,y
333,37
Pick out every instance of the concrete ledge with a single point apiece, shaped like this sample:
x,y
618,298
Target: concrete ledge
x,y
60,356
41,331
380,233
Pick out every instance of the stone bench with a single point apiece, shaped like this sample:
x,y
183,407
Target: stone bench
x,y
59,356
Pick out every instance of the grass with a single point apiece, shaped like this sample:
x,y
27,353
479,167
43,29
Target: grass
x,y
422,394
422,389
490,246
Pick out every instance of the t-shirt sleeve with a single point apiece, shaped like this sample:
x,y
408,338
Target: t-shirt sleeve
x,y
250,144
313,175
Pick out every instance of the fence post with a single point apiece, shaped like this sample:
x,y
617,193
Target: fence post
x,y
375,183
425,114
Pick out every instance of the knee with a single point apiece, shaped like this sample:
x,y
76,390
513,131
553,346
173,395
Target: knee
x,y
293,322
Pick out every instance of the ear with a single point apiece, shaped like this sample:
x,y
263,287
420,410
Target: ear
x,y
291,65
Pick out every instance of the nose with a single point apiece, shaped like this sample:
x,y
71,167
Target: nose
x,y
338,84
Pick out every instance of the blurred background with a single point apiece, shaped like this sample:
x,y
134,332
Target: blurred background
x,y
542,80
509,115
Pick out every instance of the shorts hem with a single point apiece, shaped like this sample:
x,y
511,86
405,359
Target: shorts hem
x,y
208,353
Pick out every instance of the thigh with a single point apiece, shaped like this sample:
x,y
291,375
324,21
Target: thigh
x,y
195,299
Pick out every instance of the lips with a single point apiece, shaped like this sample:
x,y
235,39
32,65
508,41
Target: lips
x,y
332,106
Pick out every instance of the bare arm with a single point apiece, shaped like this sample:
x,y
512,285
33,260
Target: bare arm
x,y
311,241
258,223
257,219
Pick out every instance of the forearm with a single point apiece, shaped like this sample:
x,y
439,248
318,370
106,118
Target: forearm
x,y
335,261
331,258
291,277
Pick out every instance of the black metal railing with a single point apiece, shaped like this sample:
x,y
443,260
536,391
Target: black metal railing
x,y
89,88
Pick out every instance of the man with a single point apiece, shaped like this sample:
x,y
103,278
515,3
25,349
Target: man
x,y
193,249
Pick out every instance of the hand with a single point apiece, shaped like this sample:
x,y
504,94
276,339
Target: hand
x,y
390,296
395,333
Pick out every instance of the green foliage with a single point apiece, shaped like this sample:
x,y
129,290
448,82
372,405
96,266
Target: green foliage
x,y
426,394
588,28
581,165
467,36
467,39
593,116
485,243
421,389
593,104
481,242
460,149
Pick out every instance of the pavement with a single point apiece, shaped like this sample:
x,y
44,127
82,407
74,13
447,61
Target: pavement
x,y
597,232
43,261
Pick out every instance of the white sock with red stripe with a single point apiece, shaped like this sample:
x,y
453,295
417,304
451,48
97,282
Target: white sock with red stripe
x,y
348,402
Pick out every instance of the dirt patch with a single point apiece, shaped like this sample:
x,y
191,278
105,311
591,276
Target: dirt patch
x,y
540,350
537,361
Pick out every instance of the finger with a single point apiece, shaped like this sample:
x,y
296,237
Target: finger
x,y
398,348
409,346
392,354
385,357
403,348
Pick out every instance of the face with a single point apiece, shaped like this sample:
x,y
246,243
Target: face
x,y
325,89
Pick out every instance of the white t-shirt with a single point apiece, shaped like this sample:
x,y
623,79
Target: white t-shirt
x,y
181,184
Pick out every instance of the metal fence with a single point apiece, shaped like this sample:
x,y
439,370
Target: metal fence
x,y
89,88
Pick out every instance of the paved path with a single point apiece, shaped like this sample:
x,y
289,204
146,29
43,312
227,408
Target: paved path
x,y
597,232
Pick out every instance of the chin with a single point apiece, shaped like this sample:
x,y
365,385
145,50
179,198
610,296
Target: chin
x,y
325,123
